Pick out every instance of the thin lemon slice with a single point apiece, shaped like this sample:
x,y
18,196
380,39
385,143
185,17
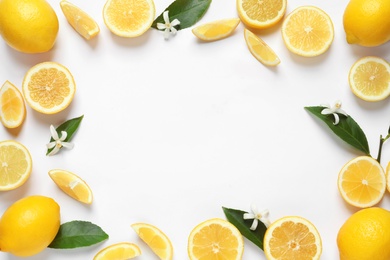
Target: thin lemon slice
x,y
15,165
155,239
216,30
83,23
261,14
369,78
12,107
260,50
362,182
129,18
308,31
48,87
387,173
72,185
215,239
119,251
292,237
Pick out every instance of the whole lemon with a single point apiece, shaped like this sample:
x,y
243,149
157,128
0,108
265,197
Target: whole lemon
x,y
365,235
29,225
366,22
29,26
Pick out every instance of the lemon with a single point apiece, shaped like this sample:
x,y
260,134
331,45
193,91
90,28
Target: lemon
x,y
366,22
29,26
365,235
29,225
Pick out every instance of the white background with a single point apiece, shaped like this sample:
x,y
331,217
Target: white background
x,y
174,130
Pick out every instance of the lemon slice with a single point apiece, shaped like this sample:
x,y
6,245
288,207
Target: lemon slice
x,y
129,18
362,182
215,239
292,237
72,185
84,24
216,30
260,50
369,78
119,251
12,107
15,165
48,87
155,239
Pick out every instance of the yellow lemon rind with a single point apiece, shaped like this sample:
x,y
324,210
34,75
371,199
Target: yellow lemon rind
x,y
123,246
208,32
12,124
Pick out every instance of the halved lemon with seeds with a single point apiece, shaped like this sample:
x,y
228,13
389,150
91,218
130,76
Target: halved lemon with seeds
x,y
48,87
369,78
216,30
308,31
15,165
215,239
155,239
12,107
82,22
119,251
72,185
260,50
362,182
292,237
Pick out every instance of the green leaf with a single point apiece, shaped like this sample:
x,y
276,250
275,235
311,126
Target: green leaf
x,y
76,234
188,12
236,217
347,129
69,127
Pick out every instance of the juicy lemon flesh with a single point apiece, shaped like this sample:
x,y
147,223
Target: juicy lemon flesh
x,y
215,242
216,30
118,251
15,165
308,32
12,108
29,225
260,50
363,183
262,11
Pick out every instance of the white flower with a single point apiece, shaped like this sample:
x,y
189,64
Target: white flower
x,y
58,142
256,216
168,27
335,110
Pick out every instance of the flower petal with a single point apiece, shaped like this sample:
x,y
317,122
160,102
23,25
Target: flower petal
x,y
64,135
249,216
166,33
67,145
326,111
173,30
53,133
254,224
161,26
166,17
50,145
175,22
336,118
54,151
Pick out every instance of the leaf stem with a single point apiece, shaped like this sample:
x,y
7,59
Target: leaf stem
x,y
381,142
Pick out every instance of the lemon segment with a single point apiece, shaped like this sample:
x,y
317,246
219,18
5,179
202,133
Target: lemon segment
x,y
260,50
215,239
119,251
72,185
12,107
82,22
216,30
155,239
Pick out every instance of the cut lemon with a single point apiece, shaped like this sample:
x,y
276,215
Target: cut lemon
x,y
72,185
84,24
216,30
129,18
15,165
292,237
308,31
12,107
362,182
215,239
155,239
387,173
119,251
261,14
48,87
260,50
369,78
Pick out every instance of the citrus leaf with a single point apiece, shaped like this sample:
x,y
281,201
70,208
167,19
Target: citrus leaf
x,y
188,12
236,217
76,234
347,129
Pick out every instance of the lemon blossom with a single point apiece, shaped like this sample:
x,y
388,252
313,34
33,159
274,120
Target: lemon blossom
x,y
257,216
335,110
168,27
58,142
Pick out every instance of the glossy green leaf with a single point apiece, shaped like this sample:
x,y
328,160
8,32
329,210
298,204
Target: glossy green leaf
x,y
76,234
236,217
347,129
188,12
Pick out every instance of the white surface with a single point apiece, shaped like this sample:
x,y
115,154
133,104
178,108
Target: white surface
x,y
174,130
